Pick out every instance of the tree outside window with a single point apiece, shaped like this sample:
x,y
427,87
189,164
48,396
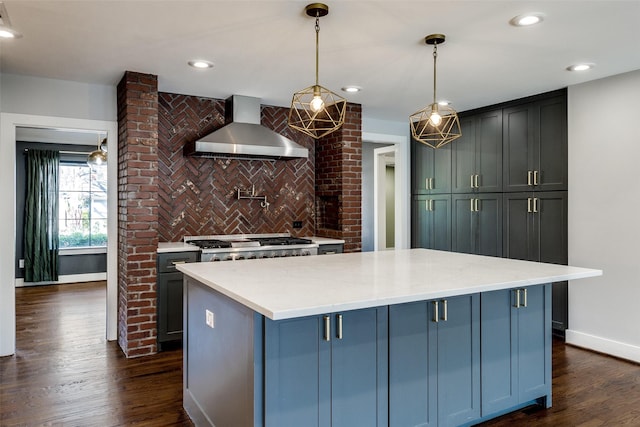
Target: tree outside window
x,y
82,205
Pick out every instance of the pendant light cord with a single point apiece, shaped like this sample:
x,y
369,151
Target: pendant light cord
x,y
317,44
435,57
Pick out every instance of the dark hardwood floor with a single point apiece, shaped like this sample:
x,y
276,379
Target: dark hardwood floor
x,y
66,374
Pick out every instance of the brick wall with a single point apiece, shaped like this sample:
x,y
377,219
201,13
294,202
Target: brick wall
x,y
199,196
339,182
137,212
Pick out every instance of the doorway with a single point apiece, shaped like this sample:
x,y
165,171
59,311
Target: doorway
x,y
9,126
385,180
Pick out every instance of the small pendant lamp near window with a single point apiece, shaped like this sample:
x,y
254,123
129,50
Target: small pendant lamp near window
x,y
436,124
316,110
98,157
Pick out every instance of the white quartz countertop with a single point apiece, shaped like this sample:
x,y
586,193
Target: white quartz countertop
x,y
165,247
283,288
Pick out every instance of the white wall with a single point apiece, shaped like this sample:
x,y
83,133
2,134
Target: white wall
x,y
32,101
604,214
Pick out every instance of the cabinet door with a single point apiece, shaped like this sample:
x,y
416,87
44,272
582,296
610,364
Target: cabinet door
x,y
488,163
431,222
519,238
430,169
413,361
463,223
297,373
551,227
518,146
534,344
552,150
169,300
498,323
458,348
488,226
359,368
463,157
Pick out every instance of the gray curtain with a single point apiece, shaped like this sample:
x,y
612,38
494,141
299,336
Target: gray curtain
x,y
41,216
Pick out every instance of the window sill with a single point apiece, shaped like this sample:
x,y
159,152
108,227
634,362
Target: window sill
x,y
85,250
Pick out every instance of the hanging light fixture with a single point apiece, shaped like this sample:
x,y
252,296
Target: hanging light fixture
x,y
98,157
436,124
6,30
316,110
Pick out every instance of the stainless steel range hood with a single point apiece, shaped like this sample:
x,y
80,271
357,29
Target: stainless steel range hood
x,y
243,137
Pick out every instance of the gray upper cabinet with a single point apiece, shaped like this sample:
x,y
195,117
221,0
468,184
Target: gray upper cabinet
x,y
431,169
476,156
476,227
431,222
535,226
535,146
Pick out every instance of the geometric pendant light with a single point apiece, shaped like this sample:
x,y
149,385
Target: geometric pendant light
x,y
315,110
435,125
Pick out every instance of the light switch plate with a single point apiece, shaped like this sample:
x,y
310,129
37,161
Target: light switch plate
x,y
210,319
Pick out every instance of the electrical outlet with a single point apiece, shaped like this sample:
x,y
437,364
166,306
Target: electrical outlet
x,y
297,224
210,319
21,263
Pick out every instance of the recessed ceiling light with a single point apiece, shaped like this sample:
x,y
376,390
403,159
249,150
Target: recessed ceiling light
x,y
199,63
580,67
527,19
352,89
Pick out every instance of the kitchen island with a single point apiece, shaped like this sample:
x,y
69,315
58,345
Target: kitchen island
x,y
399,338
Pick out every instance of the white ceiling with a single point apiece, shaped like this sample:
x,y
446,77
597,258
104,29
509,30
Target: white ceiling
x,y
266,48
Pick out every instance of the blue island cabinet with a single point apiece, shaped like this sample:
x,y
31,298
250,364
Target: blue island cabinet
x,y
516,348
327,370
434,362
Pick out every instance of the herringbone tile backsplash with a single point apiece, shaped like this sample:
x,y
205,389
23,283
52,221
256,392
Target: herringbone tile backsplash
x,y
199,196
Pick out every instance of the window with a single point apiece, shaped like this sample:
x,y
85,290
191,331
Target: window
x,y
82,205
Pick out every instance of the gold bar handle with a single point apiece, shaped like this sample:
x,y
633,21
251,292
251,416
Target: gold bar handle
x,y
327,328
444,310
517,304
472,181
476,205
435,311
431,204
529,178
535,177
339,326
475,181
178,262
471,200
529,204
524,297
430,183
535,205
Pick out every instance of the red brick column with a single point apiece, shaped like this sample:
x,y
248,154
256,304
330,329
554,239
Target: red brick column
x,y
137,212
339,182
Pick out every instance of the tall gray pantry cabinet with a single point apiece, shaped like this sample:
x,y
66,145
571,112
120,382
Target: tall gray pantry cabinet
x,y
506,189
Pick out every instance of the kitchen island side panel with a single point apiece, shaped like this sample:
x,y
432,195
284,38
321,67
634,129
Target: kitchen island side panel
x,y
223,363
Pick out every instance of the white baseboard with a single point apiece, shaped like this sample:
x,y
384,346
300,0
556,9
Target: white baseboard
x,y
603,345
70,278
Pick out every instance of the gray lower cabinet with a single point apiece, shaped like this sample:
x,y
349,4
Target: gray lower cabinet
x,y
516,348
476,227
327,370
431,222
330,248
434,362
169,296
